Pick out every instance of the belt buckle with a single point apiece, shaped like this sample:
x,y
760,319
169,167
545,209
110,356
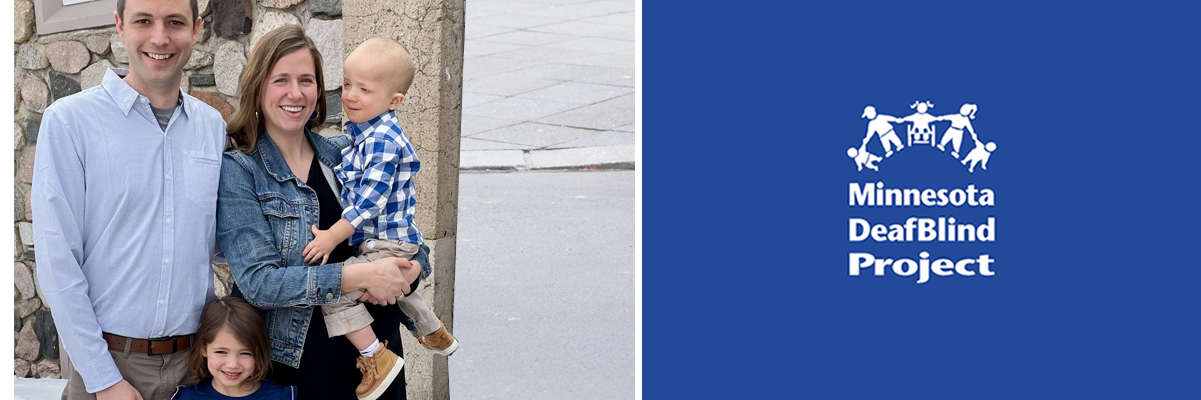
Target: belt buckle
x,y
150,345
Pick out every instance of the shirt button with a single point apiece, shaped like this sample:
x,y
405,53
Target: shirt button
x,y
167,261
168,221
168,176
329,296
162,302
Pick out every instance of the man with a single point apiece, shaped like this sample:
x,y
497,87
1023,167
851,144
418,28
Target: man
x,y
124,203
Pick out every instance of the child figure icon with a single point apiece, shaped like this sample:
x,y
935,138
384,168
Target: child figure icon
x,y
922,129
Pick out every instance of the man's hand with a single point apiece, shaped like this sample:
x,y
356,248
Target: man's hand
x,y
121,391
318,249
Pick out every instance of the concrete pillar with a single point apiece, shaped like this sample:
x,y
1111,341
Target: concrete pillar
x,y
432,30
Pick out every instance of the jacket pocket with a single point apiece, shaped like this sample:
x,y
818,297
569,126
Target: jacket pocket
x,y
284,217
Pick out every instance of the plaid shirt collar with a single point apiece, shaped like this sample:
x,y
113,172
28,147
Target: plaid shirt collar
x,y
359,132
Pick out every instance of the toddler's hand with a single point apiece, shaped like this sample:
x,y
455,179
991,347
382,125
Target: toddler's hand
x,y
318,249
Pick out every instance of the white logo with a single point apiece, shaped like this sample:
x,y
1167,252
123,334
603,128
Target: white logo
x,y
921,130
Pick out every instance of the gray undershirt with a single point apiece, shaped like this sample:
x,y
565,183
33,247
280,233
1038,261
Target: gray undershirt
x,y
163,115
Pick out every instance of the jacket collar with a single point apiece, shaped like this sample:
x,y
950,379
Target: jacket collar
x,y
273,161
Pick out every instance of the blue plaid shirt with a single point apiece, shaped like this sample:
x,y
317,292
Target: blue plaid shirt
x,y
377,181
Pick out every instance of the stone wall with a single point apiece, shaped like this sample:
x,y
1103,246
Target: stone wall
x,y
50,67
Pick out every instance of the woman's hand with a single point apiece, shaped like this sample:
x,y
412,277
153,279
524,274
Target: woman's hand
x,y
410,272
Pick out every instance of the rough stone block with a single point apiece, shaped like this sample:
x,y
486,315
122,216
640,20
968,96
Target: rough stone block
x,y
23,19
98,43
17,320
120,55
269,21
26,229
280,3
28,206
32,127
68,56
27,343
21,368
32,56
25,166
231,17
94,74
333,107
327,35
28,256
62,85
199,59
230,62
43,326
326,7
18,207
26,308
202,79
216,102
24,281
47,369
34,93
204,7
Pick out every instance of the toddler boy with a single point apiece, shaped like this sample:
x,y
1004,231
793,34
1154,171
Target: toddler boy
x,y
377,196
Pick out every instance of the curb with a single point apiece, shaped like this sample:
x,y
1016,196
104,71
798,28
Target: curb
x,y
601,157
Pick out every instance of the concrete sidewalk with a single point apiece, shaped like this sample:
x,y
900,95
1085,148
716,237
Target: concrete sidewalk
x,y
548,84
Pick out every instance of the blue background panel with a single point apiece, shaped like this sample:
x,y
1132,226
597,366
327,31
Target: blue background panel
x,y
748,112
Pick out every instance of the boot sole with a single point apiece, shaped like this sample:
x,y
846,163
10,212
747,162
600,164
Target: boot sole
x,y
445,352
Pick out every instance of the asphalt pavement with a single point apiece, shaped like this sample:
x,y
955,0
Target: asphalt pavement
x,y
548,84
544,286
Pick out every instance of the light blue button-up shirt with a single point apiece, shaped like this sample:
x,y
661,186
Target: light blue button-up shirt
x,y
124,219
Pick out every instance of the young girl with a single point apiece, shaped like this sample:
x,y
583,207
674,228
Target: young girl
x,y
232,356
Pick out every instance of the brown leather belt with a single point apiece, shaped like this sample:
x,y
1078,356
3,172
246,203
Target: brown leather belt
x,y
152,347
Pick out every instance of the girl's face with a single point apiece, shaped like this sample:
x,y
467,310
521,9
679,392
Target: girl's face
x,y
230,362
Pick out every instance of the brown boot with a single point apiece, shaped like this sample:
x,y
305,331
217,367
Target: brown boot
x,y
439,342
379,371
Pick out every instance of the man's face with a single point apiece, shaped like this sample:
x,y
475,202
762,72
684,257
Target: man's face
x,y
158,35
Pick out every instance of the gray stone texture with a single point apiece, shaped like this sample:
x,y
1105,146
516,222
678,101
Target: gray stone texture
x,y
199,59
333,107
32,56
331,8
202,79
26,230
18,207
230,62
280,3
43,326
68,56
432,31
24,281
98,43
27,343
23,18
231,17
62,85
269,21
94,74
204,7
28,206
327,35
32,127
120,55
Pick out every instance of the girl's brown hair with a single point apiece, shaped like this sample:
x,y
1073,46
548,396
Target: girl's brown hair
x,y
243,322
245,127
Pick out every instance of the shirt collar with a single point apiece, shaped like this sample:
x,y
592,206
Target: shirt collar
x,y
125,96
358,132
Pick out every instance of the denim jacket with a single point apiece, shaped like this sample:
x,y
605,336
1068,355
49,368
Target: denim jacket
x,y
263,217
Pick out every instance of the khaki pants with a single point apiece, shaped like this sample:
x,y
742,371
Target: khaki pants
x,y
348,315
155,377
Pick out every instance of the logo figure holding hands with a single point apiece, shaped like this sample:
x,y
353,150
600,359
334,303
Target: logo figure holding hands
x,y
881,125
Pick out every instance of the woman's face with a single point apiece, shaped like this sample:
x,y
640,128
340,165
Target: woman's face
x,y
290,93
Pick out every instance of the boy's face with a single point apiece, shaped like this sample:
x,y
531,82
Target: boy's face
x,y
366,90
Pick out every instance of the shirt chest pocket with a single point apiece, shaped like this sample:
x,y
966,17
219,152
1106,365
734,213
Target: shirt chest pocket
x,y
284,218
202,171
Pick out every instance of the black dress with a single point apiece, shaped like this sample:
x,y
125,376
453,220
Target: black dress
x,y
328,365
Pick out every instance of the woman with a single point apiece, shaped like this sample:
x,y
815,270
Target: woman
x,y
277,181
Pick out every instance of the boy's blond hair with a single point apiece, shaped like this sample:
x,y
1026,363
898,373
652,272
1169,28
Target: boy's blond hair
x,y
393,55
